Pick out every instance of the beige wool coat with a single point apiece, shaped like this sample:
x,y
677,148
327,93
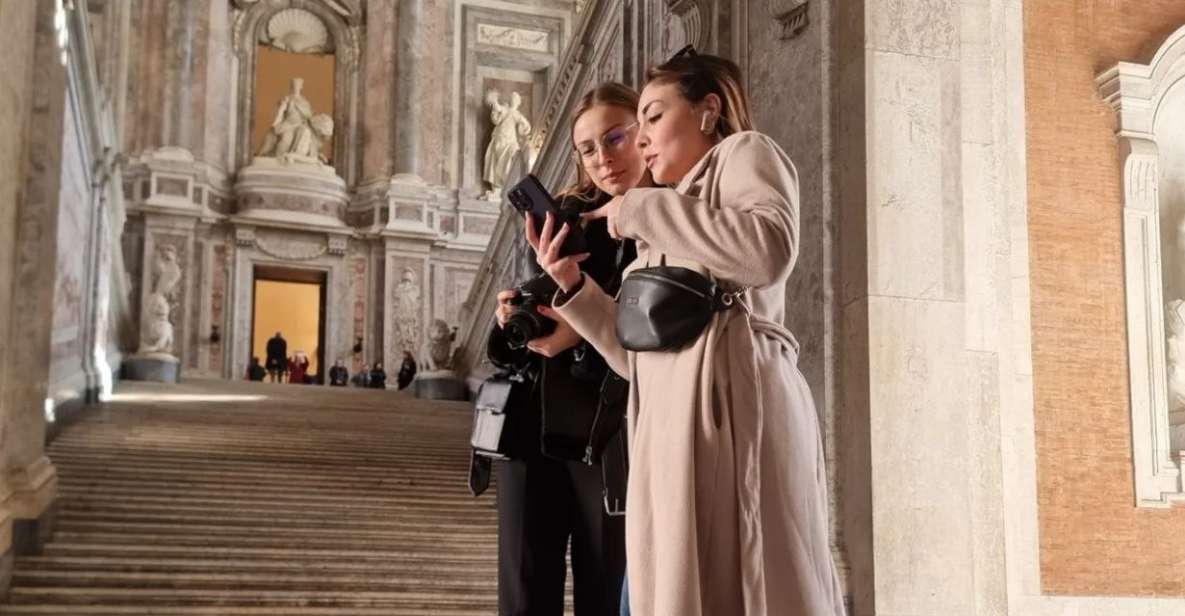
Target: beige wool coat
x,y
726,505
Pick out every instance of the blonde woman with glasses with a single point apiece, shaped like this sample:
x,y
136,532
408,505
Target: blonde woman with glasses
x,y
549,496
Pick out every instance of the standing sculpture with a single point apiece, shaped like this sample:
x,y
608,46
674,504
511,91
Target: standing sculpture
x,y
1174,316
510,127
407,311
156,331
297,134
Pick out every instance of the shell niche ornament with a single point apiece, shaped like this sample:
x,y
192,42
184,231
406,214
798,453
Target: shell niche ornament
x,y
297,31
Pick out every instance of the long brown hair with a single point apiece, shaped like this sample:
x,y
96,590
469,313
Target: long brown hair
x,y
609,93
697,76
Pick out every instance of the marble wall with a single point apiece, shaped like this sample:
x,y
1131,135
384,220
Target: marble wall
x,y
408,146
72,280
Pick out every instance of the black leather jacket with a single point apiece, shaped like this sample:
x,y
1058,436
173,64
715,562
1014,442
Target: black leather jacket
x,y
575,398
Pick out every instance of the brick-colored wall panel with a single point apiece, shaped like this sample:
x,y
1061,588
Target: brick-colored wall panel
x,y
1093,539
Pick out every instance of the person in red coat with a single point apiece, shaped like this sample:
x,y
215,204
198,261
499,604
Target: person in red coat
x,y
298,367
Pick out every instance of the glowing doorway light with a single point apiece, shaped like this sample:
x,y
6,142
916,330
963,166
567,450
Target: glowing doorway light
x,y
50,416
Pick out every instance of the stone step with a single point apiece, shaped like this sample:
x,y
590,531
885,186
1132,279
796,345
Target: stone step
x,y
205,499
401,523
214,580
387,508
459,569
439,495
442,538
212,492
478,517
234,597
392,545
93,467
61,547
46,609
248,446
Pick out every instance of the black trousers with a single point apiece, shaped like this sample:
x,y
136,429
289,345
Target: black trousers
x,y
542,504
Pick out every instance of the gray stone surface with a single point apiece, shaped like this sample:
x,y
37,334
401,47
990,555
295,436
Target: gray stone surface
x,y
440,385
6,559
30,536
157,369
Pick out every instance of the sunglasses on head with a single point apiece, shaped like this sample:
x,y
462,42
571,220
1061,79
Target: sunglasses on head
x,y
688,51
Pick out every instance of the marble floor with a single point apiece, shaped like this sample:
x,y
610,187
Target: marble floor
x,y
236,498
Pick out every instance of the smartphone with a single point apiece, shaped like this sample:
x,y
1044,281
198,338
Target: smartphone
x,y
530,197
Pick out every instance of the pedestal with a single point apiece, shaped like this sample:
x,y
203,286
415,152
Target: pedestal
x,y
157,367
440,385
270,190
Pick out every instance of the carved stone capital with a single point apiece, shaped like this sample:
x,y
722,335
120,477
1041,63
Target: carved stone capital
x,y
245,236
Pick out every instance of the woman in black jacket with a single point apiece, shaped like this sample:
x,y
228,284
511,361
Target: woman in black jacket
x,y
553,489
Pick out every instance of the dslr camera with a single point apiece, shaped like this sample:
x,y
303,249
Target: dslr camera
x,y
525,322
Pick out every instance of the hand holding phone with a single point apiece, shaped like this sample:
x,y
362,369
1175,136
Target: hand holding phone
x,y
530,197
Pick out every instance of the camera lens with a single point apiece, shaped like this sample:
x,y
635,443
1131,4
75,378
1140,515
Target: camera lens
x,y
525,325
518,330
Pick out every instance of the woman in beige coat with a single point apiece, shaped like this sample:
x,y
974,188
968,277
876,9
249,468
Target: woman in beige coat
x,y
727,505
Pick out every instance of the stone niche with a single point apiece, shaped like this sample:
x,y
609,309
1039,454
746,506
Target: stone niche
x,y
503,51
314,29
1150,103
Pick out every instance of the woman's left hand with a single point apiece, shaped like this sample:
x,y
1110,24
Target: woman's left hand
x,y
562,339
609,212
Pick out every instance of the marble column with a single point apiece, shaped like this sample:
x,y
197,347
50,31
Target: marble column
x,y
379,102
933,326
421,108
409,88
30,177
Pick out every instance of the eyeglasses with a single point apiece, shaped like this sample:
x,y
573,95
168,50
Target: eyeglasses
x,y
612,141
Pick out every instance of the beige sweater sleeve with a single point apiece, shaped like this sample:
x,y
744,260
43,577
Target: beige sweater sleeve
x,y
593,314
746,233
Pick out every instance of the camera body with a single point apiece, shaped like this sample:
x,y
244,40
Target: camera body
x,y
525,322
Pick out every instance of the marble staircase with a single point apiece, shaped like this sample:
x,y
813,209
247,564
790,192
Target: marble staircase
x,y
255,499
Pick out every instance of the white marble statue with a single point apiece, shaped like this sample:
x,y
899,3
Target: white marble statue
x,y
438,349
297,134
1174,316
510,127
156,331
407,310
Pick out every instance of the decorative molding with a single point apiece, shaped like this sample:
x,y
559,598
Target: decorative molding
x,y
289,252
1136,92
297,31
244,236
791,15
514,38
338,244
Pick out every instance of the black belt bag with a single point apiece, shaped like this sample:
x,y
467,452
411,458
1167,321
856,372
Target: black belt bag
x,y
664,308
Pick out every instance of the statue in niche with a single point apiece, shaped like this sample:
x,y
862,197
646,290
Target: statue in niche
x,y
297,134
1174,317
407,310
156,331
438,349
510,126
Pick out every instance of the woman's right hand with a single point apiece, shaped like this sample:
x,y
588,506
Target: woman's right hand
x,y
565,271
502,312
